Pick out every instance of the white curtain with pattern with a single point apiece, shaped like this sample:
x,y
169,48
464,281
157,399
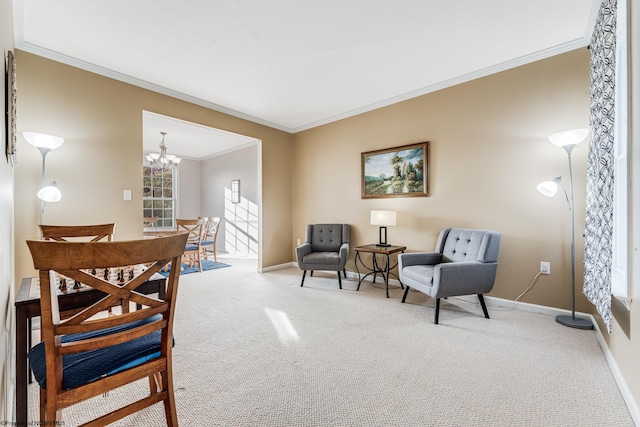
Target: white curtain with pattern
x,y
600,164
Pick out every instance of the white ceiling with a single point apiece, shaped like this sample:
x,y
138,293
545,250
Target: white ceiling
x,y
297,64
189,140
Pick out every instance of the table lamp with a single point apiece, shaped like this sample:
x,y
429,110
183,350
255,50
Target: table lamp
x,y
383,219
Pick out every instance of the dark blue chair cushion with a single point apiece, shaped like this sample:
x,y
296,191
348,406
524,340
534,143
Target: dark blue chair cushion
x,y
83,368
191,247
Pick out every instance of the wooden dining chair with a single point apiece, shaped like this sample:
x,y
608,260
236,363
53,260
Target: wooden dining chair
x,y
208,242
149,221
65,233
86,354
89,233
193,250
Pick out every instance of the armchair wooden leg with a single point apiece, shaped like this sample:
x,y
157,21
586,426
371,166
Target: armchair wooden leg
x,y
404,295
345,273
437,310
339,280
304,273
484,306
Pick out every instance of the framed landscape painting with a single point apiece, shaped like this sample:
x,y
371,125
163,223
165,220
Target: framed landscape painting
x,y
396,172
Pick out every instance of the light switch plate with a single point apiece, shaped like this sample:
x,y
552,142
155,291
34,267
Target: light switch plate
x,y
127,194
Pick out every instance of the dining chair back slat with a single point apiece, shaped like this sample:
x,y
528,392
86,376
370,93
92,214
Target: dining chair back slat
x,y
65,233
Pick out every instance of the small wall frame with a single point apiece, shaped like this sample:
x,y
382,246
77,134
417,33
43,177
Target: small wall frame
x,y
235,191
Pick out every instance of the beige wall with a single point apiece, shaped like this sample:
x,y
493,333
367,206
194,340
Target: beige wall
x,y
488,149
101,119
6,235
189,189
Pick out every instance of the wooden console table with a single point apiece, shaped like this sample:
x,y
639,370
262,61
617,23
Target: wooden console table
x,y
376,268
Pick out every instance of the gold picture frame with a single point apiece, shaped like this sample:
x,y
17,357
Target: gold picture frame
x,y
396,172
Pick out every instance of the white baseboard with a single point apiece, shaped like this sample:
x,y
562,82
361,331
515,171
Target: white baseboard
x,y
277,267
632,405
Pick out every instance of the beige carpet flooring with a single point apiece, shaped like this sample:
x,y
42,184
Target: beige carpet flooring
x,y
257,350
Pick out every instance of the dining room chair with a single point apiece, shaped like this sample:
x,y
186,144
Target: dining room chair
x,y
89,354
65,233
71,233
194,229
149,221
209,239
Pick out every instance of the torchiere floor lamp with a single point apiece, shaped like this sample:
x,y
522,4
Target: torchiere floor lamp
x,y
568,140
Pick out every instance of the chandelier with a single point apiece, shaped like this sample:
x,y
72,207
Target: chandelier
x,y
163,160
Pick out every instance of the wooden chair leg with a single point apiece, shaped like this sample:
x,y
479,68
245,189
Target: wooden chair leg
x,y
339,280
48,413
437,311
43,406
484,306
170,401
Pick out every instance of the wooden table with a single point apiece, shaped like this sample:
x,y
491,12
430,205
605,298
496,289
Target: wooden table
x,y
376,268
28,306
159,233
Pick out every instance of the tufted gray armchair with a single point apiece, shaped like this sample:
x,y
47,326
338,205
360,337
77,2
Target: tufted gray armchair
x,y
464,262
326,248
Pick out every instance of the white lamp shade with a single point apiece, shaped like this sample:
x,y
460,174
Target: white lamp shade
x,y
41,140
568,137
385,218
50,194
548,188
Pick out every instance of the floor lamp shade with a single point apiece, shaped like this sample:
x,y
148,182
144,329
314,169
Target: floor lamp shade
x,y
42,140
50,193
383,219
568,137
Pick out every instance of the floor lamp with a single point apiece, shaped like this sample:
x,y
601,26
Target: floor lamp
x,y
45,143
568,140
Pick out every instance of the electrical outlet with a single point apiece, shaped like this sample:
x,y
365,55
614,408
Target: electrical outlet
x,y
298,242
545,267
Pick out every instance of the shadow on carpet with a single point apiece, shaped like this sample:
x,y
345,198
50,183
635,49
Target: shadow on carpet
x,y
207,265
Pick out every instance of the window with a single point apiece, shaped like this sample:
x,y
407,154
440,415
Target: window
x,y
158,195
619,286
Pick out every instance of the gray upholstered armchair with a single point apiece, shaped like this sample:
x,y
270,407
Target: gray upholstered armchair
x,y
326,248
464,262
